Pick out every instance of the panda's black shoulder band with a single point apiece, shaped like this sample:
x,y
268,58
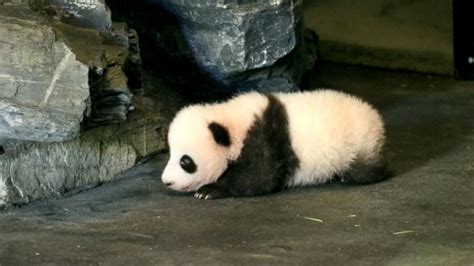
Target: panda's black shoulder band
x,y
220,134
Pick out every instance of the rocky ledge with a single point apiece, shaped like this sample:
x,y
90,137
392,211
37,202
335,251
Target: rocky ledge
x,y
66,99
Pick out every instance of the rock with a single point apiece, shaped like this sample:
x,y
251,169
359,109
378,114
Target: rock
x,y
92,14
110,49
44,96
245,45
44,89
30,171
112,91
133,64
59,80
115,68
13,2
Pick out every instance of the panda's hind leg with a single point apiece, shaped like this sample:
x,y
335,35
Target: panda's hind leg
x,y
362,172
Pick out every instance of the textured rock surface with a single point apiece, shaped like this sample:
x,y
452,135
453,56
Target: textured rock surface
x,y
44,89
115,72
30,170
110,50
259,34
47,69
245,45
86,13
115,68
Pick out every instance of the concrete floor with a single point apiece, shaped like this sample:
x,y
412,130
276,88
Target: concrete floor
x,y
424,215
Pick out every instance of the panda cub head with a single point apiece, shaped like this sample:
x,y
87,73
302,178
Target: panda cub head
x,y
198,150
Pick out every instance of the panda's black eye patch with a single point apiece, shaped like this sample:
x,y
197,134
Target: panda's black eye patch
x,y
187,164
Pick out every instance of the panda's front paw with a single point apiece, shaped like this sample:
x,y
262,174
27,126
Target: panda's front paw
x,y
199,195
210,192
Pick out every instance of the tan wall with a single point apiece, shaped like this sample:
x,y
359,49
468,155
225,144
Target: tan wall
x,y
405,34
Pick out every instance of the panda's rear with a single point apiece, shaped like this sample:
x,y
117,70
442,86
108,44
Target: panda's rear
x,y
331,133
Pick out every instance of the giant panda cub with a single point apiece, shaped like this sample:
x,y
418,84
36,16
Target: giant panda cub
x,y
256,144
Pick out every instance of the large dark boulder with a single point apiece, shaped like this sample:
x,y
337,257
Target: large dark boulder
x,y
246,45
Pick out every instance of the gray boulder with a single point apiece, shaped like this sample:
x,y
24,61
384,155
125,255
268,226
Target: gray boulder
x,y
44,88
56,81
33,170
245,45
110,49
93,14
114,63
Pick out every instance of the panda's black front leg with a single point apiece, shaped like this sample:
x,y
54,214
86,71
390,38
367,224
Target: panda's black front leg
x,y
211,191
239,181
222,188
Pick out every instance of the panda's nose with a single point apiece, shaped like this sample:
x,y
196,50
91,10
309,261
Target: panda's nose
x,y
168,184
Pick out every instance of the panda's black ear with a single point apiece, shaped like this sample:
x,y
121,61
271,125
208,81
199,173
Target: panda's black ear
x,y
220,134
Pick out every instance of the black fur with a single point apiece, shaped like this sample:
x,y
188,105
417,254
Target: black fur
x,y
266,161
220,134
365,173
187,164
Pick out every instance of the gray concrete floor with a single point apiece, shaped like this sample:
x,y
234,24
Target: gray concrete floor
x,y
424,215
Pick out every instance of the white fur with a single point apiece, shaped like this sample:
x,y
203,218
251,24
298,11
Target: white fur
x,y
189,134
328,131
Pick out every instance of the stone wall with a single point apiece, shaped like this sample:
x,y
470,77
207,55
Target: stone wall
x,y
37,170
68,88
45,89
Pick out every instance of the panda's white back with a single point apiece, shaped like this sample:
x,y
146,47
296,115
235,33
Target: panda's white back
x,y
328,131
